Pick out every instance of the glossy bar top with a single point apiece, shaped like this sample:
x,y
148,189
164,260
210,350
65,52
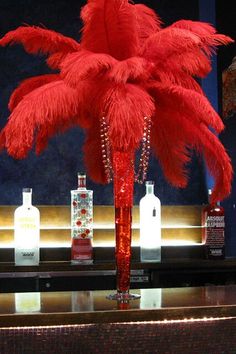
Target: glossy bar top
x,y
83,307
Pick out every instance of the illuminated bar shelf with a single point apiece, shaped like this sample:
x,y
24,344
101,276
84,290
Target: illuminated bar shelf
x,y
180,225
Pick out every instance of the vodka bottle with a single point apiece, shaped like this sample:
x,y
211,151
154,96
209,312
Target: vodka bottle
x,y
150,226
213,230
27,231
81,223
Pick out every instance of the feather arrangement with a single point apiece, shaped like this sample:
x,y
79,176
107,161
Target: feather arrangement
x,y
127,67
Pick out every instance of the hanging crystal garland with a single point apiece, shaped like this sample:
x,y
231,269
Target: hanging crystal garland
x,y
141,174
106,149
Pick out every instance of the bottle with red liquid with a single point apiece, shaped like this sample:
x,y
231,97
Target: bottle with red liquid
x,y
81,223
213,230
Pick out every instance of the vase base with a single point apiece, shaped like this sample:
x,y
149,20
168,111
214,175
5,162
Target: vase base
x,y
123,296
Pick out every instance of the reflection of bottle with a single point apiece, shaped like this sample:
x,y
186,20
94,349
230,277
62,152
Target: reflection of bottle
x,y
213,222
26,231
150,226
27,302
150,298
82,301
81,223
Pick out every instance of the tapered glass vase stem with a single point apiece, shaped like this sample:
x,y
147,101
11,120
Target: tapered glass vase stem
x,y
123,167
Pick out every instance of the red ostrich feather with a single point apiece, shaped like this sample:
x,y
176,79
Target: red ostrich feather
x,y
127,66
40,40
28,85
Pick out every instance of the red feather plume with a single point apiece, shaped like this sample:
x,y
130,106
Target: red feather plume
x,y
115,25
125,68
48,109
148,22
188,103
40,40
85,65
29,85
125,106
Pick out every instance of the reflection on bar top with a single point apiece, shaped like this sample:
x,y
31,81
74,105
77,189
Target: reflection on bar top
x,y
87,301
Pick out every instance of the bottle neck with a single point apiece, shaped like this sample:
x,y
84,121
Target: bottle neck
x,y
149,189
81,181
27,199
215,205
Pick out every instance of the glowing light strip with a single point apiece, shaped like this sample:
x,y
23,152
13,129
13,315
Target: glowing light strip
x,y
180,242
165,321
42,245
169,243
111,243
106,227
184,320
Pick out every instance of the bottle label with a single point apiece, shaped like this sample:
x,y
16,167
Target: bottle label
x,y
215,231
26,233
82,233
215,237
82,212
26,223
216,221
27,254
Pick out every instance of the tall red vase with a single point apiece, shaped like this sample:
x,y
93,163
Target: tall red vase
x,y
123,170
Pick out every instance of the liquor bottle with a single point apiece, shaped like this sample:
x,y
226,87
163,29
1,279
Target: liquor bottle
x,y
27,231
213,230
150,226
81,223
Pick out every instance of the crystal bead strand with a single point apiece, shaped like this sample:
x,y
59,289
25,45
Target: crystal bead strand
x,y
145,151
106,150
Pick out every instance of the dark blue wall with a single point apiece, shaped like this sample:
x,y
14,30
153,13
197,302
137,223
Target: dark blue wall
x,y
53,174
225,22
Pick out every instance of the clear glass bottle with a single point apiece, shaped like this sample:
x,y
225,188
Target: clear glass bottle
x,y
81,223
27,231
213,230
150,226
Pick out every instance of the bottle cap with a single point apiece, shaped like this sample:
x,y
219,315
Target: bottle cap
x,y
149,183
27,190
81,180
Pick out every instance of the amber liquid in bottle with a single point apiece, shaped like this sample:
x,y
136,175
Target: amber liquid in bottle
x,y
213,231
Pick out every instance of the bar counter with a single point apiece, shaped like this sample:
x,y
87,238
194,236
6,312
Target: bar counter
x,y
164,321
88,307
